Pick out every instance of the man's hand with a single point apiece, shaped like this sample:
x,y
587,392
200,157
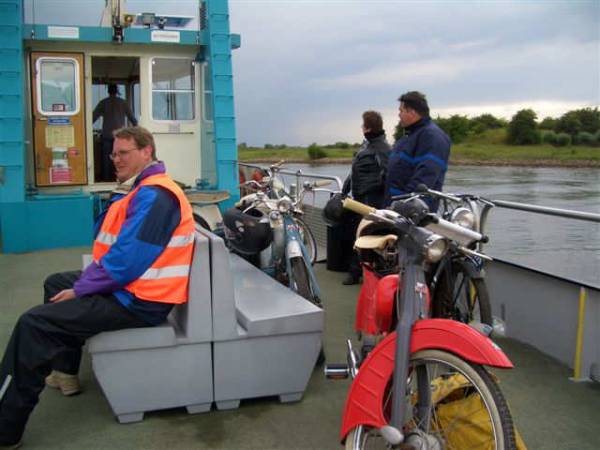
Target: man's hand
x,y
65,294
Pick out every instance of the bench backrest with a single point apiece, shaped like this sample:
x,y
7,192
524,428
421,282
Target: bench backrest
x,y
193,320
223,294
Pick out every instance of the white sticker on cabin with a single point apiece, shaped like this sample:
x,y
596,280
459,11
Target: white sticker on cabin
x,y
63,32
164,36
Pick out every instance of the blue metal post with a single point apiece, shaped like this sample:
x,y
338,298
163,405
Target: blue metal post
x,y
219,58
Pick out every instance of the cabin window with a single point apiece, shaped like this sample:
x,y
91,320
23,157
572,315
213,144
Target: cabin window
x,y
58,86
173,89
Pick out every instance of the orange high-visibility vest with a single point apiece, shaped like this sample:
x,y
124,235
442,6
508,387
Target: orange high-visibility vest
x,y
166,281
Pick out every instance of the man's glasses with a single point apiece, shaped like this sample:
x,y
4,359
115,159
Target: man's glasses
x,y
121,154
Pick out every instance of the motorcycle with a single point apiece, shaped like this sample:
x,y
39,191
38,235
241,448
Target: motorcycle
x,y
425,384
457,281
292,249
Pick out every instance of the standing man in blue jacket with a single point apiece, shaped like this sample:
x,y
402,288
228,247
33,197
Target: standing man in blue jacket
x,y
421,155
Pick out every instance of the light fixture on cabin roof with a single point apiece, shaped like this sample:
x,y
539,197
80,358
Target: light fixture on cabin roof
x,y
148,19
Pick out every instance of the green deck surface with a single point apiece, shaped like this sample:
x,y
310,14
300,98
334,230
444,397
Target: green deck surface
x,y
550,411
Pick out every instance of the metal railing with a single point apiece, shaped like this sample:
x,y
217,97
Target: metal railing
x,y
558,212
298,174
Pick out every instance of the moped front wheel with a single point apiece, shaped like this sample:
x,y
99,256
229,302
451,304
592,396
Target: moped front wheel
x,y
452,405
310,243
302,280
463,298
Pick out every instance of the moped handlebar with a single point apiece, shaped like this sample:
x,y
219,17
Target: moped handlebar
x,y
321,183
423,189
358,207
462,235
249,183
278,164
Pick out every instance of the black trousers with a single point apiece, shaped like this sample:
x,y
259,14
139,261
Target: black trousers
x,y
108,168
354,268
50,336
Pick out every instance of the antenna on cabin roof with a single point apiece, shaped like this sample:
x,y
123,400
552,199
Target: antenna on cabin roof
x,y
114,16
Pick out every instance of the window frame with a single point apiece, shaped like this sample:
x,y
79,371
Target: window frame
x,y
38,85
206,74
192,91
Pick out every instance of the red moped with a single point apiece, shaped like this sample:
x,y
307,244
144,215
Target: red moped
x,y
425,384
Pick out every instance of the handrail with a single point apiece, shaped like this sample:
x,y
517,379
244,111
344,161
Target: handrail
x,y
578,215
298,174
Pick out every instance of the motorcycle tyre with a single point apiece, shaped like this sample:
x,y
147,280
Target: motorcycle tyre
x,y
483,301
480,378
481,292
302,281
308,239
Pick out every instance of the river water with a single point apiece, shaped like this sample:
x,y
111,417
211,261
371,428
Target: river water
x,y
564,247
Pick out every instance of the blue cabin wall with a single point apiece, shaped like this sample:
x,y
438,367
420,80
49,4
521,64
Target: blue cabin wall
x,y
219,59
32,222
12,160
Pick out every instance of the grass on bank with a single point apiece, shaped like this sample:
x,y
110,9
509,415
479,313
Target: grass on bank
x,y
486,147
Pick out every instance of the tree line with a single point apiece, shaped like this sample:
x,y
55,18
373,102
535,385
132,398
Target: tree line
x,y
576,127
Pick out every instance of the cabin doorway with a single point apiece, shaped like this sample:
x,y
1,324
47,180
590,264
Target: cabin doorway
x,y
112,77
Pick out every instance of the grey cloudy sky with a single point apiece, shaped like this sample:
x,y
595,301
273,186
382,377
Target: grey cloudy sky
x,y
308,68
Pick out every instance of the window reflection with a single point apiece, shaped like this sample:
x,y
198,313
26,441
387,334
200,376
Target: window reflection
x,y
173,89
58,86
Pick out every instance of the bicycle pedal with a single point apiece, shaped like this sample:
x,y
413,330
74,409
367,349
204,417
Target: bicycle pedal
x,y
337,371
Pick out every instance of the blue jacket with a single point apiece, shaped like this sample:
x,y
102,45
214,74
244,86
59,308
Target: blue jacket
x,y
421,156
152,216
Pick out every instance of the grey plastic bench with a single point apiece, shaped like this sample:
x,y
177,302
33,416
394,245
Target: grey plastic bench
x,y
266,337
167,366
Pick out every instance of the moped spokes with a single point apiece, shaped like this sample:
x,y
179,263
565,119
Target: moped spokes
x,y
450,404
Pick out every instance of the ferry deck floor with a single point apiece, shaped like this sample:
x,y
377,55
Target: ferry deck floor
x,y
551,412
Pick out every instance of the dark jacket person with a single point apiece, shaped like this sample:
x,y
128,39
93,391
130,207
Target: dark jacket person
x,y
113,110
367,179
421,155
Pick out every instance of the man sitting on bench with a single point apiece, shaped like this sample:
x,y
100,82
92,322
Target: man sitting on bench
x,y
142,255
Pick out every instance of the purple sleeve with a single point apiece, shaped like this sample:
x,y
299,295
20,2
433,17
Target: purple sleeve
x,y
95,280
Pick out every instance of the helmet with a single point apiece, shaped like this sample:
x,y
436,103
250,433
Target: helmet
x,y
247,232
334,213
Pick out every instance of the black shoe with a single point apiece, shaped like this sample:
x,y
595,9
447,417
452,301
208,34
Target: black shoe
x,y
350,280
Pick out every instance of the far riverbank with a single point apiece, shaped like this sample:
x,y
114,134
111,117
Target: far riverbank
x,y
474,153
456,161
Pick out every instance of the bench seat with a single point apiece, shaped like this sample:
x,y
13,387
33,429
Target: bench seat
x,y
265,307
266,338
167,366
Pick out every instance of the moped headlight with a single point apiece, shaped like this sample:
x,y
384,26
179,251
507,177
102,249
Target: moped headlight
x,y
284,205
435,248
463,217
